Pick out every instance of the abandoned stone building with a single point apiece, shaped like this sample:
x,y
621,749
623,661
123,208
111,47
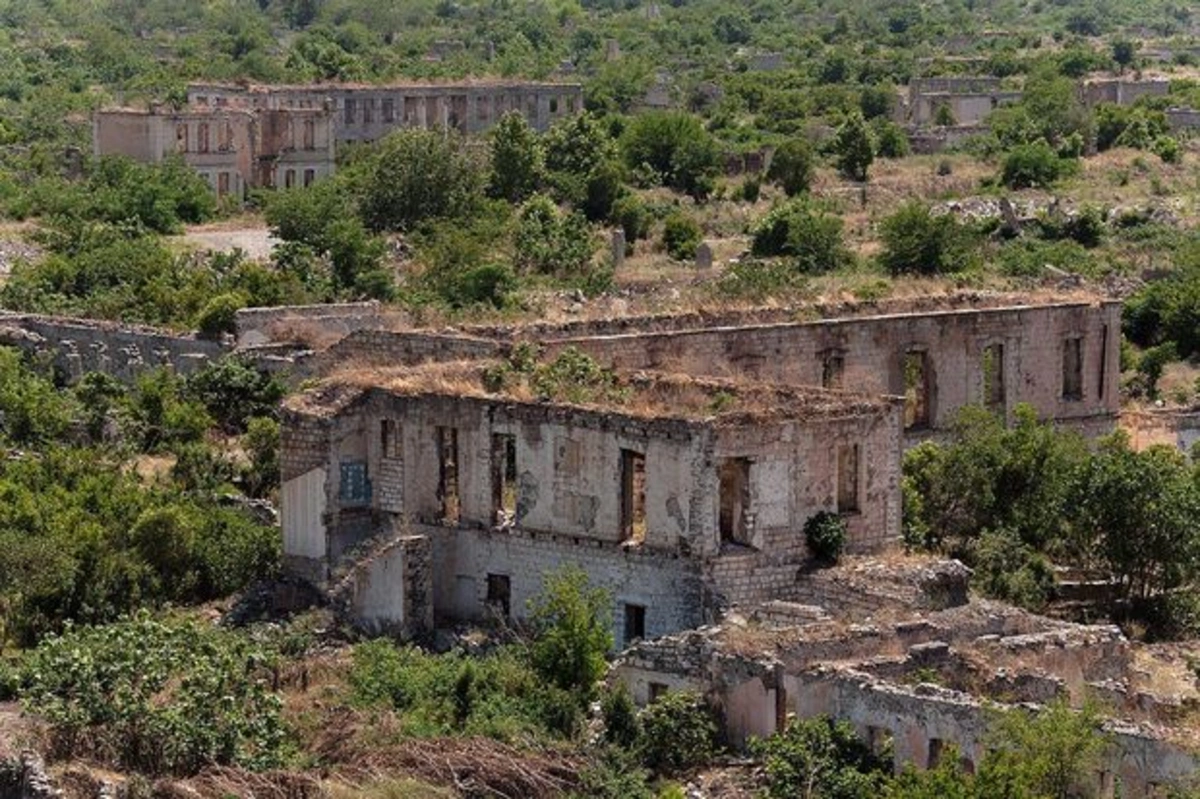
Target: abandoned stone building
x,y
680,496
895,647
366,112
940,354
966,100
232,149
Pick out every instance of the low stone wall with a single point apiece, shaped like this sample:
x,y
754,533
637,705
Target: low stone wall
x,y
78,346
310,324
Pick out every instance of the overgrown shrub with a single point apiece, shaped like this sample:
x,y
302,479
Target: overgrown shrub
x,y
792,166
825,535
821,757
1035,165
806,232
918,241
681,237
158,697
678,733
573,631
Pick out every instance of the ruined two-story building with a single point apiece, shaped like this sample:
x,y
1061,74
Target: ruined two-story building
x,y
366,112
233,149
687,497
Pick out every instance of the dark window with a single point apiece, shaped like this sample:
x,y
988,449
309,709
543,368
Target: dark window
x,y
310,175
936,747
310,135
448,497
633,496
504,478
916,389
348,112
657,691
635,623
222,183
1103,360
181,138
733,478
354,488
289,178
833,365
993,377
499,594
553,105
1072,369
389,109
368,111
389,439
202,137
847,479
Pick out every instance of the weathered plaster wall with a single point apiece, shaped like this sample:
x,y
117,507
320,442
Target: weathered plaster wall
x,y
79,346
874,349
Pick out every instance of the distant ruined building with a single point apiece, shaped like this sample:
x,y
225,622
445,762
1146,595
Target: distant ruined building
x,y
242,137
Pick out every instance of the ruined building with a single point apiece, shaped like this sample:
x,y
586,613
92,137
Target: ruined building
x,y
233,149
686,498
363,112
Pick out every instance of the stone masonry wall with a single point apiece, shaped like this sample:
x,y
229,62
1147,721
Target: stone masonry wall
x,y
874,349
78,346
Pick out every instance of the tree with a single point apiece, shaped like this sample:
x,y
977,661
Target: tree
x,y
416,175
573,630
681,236
675,146
807,232
1045,754
550,242
1034,165
814,758
853,148
792,167
1135,512
918,241
517,161
1123,53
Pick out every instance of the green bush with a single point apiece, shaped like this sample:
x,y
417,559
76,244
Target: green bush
x,y
918,241
792,166
219,316
550,242
156,697
1034,165
633,217
414,175
1009,570
233,392
681,237
806,232
573,631
825,535
675,145
678,733
821,757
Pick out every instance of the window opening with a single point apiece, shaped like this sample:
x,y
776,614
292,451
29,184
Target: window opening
x,y
448,497
499,594
635,623
993,377
847,493
633,496
916,389
833,365
504,478
1072,369
734,491
354,488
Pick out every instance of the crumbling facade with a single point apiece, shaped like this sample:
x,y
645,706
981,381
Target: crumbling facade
x,y
1061,358
679,510
895,648
366,112
966,100
233,149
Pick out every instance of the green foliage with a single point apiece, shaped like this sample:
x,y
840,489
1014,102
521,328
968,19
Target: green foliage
x,y
853,148
675,146
1034,165
517,162
262,447
157,697
891,140
32,411
633,217
917,241
622,727
820,758
792,166
681,236
414,175
1133,513
994,478
1008,569
573,631
495,695
1128,126
219,315
1046,754
806,232
825,535
1168,310
233,391
678,733
550,242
